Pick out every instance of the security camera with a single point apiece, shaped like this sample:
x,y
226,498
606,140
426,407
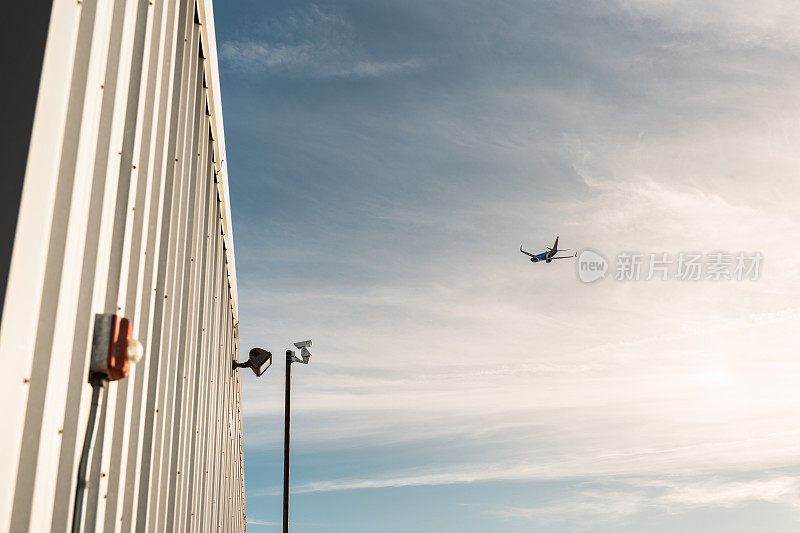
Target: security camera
x,y
304,353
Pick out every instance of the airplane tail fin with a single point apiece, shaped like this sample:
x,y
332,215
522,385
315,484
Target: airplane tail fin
x,y
555,244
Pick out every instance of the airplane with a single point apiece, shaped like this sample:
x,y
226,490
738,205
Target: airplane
x,y
549,255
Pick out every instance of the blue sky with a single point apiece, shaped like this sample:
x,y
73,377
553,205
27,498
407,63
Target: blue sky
x,y
386,161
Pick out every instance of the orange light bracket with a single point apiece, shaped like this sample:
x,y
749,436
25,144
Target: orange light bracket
x,y
113,347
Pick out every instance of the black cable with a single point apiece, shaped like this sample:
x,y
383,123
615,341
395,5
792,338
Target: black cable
x,y
98,383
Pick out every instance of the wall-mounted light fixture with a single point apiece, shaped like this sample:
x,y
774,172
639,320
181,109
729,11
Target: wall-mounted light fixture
x,y
259,361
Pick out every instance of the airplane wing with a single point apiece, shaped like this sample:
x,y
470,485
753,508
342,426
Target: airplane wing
x,y
565,256
524,252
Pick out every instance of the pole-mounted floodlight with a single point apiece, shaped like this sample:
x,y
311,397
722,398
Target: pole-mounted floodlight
x,y
290,358
259,361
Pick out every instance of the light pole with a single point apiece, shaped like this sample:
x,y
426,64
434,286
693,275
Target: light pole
x,y
290,358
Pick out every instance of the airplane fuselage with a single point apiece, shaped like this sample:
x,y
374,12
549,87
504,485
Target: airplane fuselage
x,y
544,256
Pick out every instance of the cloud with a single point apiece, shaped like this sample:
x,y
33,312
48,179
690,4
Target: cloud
x,y
730,493
309,60
622,500
731,22
255,522
314,42
450,478
596,505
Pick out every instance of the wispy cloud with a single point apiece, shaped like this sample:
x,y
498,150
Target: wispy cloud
x,y
666,495
730,493
596,505
309,60
256,522
736,23
315,42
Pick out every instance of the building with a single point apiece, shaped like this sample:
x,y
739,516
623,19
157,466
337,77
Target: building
x,y
121,207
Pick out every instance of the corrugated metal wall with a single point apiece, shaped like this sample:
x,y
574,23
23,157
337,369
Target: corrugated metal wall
x,y
124,210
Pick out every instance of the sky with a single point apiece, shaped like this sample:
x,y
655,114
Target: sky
x,y
387,160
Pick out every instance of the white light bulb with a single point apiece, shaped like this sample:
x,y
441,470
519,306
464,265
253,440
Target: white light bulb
x,y
135,351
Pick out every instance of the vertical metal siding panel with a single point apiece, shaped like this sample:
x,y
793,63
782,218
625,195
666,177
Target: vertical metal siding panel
x,y
68,157
208,493
198,470
155,386
173,287
233,455
219,416
208,482
214,399
179,297
183,490
128,65
32,235
168,498
214,448
35,480
224,497
139,294
199,433
199,343
202,389
190,410
242,512
77,371
215,430
215,416
124,264
219,456
240,444
222,413
211,408
189,463
108,161
137,488
220,399
203,501
230,466
226,424
233,459
225,467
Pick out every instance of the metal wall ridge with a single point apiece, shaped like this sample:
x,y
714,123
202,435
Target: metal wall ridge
x,y
206,15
